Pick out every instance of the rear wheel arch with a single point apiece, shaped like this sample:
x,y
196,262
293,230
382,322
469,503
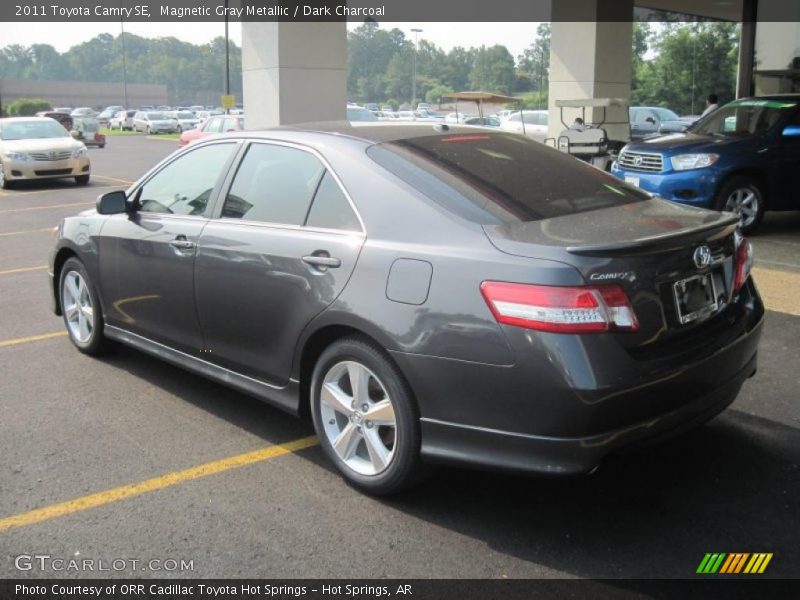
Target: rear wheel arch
x,y
318,342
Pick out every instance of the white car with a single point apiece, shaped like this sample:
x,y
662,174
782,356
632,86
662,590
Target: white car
x,y
186,119
531,123
40,148
122,120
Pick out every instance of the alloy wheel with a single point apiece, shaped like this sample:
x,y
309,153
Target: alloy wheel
x,y
744,202
76,302
358,418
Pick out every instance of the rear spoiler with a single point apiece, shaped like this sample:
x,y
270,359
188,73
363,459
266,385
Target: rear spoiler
x,y
662,242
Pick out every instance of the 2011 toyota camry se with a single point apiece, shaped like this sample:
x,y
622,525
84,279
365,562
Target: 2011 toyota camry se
x,y
424,293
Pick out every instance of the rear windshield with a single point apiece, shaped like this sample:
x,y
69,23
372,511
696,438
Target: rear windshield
x,y
494,178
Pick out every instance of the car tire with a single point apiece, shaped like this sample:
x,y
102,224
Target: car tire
x,y
180,129
5,184
742,195
379,455
148,132
82,179
80,308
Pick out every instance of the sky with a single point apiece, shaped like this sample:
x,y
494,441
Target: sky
x,y
515,36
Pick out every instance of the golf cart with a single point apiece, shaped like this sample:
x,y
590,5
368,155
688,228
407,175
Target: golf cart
x,y
591,141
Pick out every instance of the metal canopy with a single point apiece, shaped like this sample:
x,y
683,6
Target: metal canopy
x,y
592,103
479,98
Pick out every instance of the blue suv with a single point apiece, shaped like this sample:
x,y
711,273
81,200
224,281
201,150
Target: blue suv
x,y
744,158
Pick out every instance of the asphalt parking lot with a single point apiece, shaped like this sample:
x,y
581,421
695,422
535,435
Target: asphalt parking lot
x,y
122,458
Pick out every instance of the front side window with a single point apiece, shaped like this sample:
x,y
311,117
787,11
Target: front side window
x,y
184,186
273,184
213,126
743,118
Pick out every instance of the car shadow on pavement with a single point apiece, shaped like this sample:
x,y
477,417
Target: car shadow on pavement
x,y
265,421
729,486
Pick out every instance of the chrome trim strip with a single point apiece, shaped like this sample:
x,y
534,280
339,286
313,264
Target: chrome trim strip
x,y
285,397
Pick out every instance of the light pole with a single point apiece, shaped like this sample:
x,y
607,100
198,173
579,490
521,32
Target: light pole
x,y
414,79
124,60
227,57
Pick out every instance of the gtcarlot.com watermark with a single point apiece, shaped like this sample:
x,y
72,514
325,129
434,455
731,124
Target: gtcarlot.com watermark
x,y
79,564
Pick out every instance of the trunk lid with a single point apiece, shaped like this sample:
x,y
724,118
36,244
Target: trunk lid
x,y
647,248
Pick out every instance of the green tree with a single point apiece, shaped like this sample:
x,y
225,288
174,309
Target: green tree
x,y
27,107
691,60
493,70
534,62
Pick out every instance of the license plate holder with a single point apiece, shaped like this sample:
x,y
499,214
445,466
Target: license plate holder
x,y
695,297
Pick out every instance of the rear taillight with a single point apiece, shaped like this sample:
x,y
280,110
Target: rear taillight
x,y
744,261
560,309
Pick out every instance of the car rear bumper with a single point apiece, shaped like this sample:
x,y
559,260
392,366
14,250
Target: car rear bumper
x,y
567,401
19,170
696,187
455,444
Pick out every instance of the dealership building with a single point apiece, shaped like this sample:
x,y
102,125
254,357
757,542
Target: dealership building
x,y
286,64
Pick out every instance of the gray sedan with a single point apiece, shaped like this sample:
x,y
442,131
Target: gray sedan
x,y
424,294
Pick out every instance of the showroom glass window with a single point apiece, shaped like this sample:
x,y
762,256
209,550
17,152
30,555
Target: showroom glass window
x,y
184,186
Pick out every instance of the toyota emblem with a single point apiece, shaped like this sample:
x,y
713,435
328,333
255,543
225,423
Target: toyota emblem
x,y
637,161
702,256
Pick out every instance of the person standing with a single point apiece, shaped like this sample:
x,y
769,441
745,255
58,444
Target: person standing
x,y
711,104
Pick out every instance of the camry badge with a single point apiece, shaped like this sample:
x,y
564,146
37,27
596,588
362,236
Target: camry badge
x,y
702,256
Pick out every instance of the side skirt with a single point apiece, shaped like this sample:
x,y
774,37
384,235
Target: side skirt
x,y
286,398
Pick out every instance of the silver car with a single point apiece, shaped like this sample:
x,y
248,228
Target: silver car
x,y
39,148
123,120
153,121
185,118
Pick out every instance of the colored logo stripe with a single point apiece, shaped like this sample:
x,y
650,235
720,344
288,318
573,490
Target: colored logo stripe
x,y
724,563
758,563
711,563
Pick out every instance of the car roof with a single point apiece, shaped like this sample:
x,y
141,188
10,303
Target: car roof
x,y
780,97
23,119
370,132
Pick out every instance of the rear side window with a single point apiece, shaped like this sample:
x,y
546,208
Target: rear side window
x,y
494,178
330,209
274,184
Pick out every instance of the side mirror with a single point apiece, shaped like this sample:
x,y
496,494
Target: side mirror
x,y
112,203
791,131
75,134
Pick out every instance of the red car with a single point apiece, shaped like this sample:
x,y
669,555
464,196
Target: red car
x,y
212,125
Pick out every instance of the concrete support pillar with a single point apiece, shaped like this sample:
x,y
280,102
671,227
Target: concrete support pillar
x,y
590,57
293,72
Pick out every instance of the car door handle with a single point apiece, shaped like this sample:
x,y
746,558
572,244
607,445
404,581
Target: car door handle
x,y
181,243
328,262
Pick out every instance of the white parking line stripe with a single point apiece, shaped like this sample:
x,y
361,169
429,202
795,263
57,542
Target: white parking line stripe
x,y
29,208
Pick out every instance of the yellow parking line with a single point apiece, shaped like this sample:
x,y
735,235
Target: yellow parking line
x,y
779,289
31,338
28,208
24,270
26,231
156,483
